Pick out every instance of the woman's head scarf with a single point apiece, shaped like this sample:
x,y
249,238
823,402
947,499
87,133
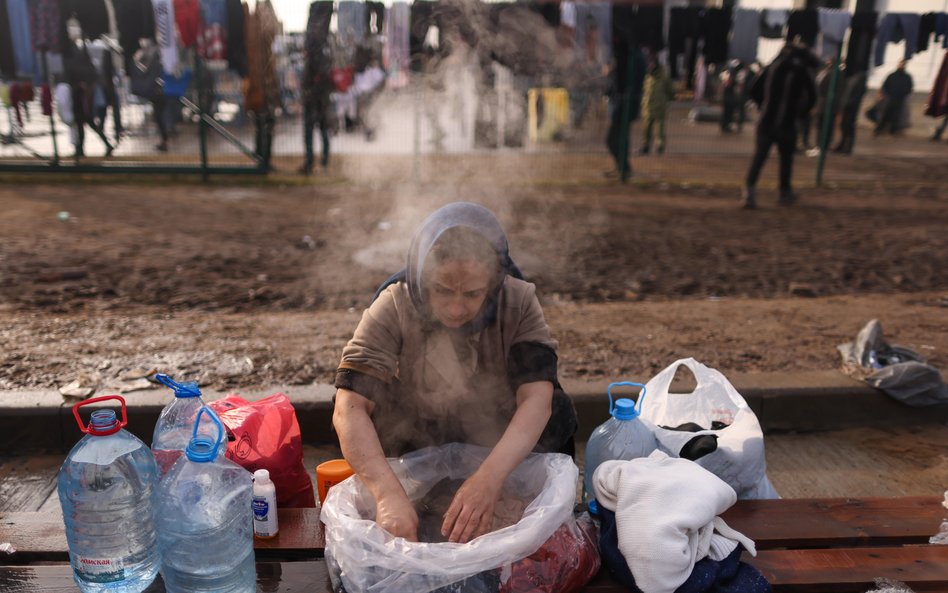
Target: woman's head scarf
x,y
457,214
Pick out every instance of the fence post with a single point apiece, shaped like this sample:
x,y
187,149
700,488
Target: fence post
x,y
52,115
202,125
829,113
624,132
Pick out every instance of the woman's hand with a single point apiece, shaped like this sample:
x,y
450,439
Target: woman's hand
x,y
395,514
472,510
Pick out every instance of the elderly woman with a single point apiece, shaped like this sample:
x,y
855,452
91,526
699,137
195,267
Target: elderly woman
x,y
454,348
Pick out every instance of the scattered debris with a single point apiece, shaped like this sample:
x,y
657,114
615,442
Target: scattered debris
x,y
7,548
802,289
137,385
139,373
84,386
62,275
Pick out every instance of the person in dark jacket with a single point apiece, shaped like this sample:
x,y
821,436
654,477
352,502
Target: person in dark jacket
x,y
784,91
853,91
317,103
895,90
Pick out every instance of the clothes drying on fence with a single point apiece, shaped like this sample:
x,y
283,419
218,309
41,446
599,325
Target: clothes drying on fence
x,y
745,36
24,56
350,22
7,60
715,29
861,35
136,20
317,25
215,24
593,32
236,38
92,15
187,17
165,34
896,27
396,54
938,99
804,24
47,25
926,26
374,18
833,26
773,22
941,28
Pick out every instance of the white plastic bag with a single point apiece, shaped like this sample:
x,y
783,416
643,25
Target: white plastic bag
x,y
739,457
363,557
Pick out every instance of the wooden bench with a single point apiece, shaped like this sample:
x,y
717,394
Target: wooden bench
x,y
804,545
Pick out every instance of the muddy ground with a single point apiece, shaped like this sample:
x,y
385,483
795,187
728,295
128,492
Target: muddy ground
x,y
245,284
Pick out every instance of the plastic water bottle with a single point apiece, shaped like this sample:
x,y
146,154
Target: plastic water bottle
x,y
204,519
173,429
105,485
624,436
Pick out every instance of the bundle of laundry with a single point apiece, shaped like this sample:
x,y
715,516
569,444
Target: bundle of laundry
x,y
661,532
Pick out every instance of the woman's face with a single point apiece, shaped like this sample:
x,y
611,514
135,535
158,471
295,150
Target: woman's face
x,y
457,290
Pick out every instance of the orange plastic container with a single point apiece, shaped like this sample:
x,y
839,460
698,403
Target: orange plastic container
x,y
330,473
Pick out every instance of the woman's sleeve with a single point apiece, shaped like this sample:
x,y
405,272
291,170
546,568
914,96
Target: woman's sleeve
x,y
370,360
533,353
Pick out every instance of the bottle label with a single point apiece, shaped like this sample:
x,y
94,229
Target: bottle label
x,y
260,508
99,570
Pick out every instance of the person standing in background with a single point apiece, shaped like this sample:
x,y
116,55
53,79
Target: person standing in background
x,y
785,92
317,104
656,96
853,91
894,95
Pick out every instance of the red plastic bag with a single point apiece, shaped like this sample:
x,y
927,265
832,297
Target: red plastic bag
x,y
265,435
563,564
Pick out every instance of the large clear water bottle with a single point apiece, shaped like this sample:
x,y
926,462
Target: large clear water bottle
x,y
105,488
203,509
173,429
624,436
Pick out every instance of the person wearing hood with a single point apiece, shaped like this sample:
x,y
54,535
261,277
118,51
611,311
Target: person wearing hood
x,y
785,91
454,348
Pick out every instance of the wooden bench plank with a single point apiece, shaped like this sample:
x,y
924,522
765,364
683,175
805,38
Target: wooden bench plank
x,y
923,568
275,577
40,537
837,522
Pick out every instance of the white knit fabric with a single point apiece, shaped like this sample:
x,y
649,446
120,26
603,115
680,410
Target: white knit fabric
x,y
667,517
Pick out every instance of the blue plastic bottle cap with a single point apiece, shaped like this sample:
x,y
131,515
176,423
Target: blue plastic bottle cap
x,y
201,449
593,508
624,409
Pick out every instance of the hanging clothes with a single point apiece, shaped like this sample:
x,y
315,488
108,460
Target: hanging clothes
x,y
136,20
773,22
47,25
92,15
938,98
593,33
941,28
350,22
396,53
683,38
7,59
715,28
24,57
926,26
745,36
374,18
833,26
113,31
317,26
46,100
804,24
165,34
212,42
236,38
187,17
262,93
420,19
896,27
862,31
568,14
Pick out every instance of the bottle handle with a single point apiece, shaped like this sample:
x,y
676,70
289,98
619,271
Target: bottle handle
x,y
216,420
88,428
627,384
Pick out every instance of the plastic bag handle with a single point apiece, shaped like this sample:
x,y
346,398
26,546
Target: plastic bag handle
x,y
627,384
88,428
670,372
217,421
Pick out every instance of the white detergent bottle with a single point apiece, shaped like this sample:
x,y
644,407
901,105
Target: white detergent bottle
x,y
265,522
